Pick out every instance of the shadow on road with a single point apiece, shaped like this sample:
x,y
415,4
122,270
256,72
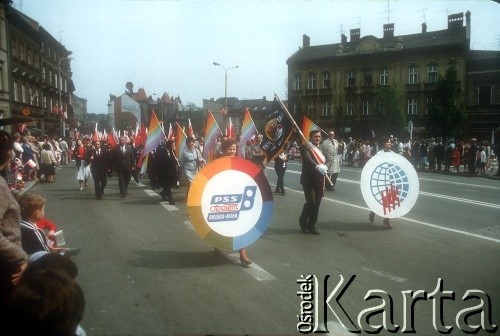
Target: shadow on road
x,y
343,226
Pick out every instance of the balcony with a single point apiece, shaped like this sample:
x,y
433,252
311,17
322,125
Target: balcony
x,y
414,87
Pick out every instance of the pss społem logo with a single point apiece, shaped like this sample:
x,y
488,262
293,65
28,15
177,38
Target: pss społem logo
x,y
228,207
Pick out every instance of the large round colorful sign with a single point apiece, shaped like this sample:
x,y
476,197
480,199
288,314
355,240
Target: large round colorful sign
x,y
389,184
230,203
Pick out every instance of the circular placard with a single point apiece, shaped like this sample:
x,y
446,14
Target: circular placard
x,y
389,184
230,203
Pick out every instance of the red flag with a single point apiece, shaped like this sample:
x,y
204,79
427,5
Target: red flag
x,y
171,135
112,139
95,136
190,132
230,129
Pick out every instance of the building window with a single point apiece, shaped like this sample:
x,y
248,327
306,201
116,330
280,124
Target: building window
x,y
44,101
14,47
384,77
412,106
23,93
367,78
428,104
50,76
1,78
484,95
326,110
326,80
21,51
350,107
311,109
44,74
432,73
297,82
413,74
311,81
351,79
56,80
16,92
366,107
30,56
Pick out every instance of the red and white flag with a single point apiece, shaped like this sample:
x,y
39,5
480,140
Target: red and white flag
x,y
190,132
230,129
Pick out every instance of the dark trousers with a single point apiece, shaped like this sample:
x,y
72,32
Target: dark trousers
x,y
100,181
309,215
166,193
280,187
333,177
123,180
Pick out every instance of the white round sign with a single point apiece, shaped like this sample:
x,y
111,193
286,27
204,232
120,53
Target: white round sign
x,y
389,185
230,209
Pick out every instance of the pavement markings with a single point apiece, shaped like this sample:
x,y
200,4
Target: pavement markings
x,y
384,274
150,192
189,224
169,207
253,269
411,220
451,198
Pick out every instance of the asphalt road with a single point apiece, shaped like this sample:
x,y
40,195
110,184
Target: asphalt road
x,y
144,270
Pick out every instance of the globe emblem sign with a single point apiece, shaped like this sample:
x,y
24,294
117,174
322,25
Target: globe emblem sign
x,y
389,184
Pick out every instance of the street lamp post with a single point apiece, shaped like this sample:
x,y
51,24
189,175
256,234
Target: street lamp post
x,y
225,91
62,125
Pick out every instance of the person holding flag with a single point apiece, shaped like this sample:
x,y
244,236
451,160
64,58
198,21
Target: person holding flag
x,y
312,179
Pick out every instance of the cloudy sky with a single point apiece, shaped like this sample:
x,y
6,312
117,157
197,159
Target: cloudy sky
x,y
170,46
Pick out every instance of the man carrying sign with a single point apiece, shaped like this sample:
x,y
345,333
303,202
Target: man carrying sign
x,y
313,181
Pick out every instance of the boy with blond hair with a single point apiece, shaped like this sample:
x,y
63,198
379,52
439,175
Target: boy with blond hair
x,y
32,209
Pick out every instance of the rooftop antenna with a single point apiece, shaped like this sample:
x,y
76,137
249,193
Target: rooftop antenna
x,y
60,36
423,14
341,29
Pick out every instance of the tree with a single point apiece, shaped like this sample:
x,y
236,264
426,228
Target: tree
x,y
389,113
447,112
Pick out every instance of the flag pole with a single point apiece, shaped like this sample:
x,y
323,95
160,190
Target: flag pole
x,y
298,129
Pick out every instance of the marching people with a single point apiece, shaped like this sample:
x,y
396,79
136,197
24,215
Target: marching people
x,y
191,161
124,162
280,163
257,156
99,168
331,150
230,149
168,172
312,179
80,154
386,147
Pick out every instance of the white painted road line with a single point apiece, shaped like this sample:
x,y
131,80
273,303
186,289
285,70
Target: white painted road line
x,y
253,269
451,198
412,220
384,274
168,206
150,192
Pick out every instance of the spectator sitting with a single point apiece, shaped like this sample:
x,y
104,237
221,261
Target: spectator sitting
x,y
47,302
32,238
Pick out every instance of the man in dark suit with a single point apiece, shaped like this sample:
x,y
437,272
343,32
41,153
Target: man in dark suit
x,y
168,170
124,162
312,179
99,161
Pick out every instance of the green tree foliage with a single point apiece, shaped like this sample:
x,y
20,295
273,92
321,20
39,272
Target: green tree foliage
x,y
389,114
197,117
447,112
